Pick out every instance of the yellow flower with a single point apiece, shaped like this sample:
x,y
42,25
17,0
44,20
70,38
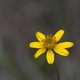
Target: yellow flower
x,y
50,44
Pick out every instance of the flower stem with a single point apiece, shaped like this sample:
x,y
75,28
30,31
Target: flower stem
x,y
57,70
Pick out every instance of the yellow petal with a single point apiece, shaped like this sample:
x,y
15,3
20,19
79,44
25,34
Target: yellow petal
x,y
50,56
39,52
40,36
65,44
36,45
61,51
58,35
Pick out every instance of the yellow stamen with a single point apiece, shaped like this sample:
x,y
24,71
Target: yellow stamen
x,y
49,42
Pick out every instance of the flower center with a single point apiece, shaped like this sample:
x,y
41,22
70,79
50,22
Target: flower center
x,y
49,42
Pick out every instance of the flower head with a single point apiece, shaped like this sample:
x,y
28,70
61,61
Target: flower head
x,y
50,44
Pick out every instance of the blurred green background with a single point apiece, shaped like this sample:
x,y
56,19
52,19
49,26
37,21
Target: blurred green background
x,y
19,21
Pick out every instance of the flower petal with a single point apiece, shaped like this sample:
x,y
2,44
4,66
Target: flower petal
x,y
58,35
50,56
65,44
40,36
39,52
61,51
36,45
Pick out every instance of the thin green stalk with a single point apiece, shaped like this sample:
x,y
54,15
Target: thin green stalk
x,y
57,70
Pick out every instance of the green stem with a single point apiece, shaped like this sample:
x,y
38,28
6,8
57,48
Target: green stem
x,y
57,70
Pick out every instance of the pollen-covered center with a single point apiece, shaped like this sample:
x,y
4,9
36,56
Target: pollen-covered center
x,y
49,42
